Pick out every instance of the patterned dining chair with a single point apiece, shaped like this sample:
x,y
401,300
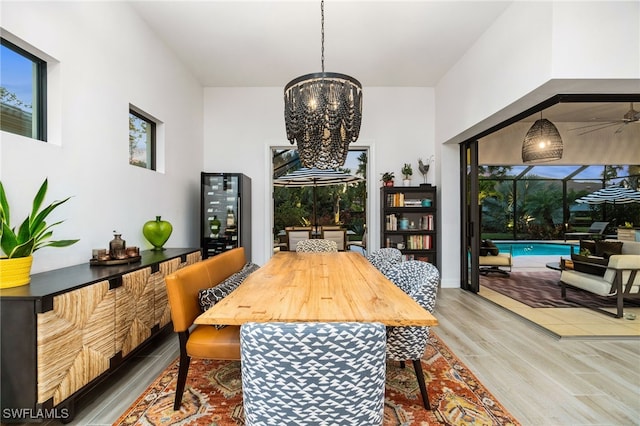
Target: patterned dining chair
x,y
316,246
313,373
419,280
385,258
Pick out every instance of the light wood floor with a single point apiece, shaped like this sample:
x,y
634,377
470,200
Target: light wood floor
x,y
540,379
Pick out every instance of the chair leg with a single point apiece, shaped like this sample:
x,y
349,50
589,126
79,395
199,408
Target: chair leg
x,y
183,369
423,387
182,380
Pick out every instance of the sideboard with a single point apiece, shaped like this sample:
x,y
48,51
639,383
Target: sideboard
x,y
70,327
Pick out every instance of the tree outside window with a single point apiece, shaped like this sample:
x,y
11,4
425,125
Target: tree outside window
x,y
142,135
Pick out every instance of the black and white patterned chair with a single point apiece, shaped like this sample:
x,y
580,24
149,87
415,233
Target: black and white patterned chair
x,y
309,373
419,280
317,246
385,258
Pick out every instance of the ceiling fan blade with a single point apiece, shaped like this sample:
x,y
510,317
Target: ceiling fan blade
x,y
603,126
599,124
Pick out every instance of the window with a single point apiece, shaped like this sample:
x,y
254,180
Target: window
x,y
142,140
22,92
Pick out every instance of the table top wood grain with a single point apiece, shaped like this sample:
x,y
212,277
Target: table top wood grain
x,y
323,287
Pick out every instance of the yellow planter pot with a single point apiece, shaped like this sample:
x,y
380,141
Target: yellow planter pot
x,y
15,272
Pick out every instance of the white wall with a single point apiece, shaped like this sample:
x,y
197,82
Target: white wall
x,y
242,123
106,59
533,51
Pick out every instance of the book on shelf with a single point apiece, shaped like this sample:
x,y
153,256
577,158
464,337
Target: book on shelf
x,y
419,242
395,200
391,222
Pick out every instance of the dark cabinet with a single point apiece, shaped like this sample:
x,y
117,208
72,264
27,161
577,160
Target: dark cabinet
x,y
225,218
409,221
71,327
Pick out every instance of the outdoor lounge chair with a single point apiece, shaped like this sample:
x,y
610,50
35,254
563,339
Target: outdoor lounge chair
x,y
595,231
496,263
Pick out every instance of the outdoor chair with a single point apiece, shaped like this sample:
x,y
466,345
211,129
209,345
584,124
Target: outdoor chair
x,y
339,236
385,258
419,280
360,246
621,281
295,235
496,263
316,246
313,373
595,231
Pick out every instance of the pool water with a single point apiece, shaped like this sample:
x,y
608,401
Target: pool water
x,y
522,248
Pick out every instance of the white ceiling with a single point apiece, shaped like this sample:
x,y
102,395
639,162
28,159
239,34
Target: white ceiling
x,y
268,43
240,43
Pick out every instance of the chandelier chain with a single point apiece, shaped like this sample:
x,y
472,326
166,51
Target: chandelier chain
x,y
322,34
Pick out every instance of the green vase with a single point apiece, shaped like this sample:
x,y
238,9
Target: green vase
x,y
157,232
214,225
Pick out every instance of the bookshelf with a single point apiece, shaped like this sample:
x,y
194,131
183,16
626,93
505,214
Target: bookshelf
x,y
409,221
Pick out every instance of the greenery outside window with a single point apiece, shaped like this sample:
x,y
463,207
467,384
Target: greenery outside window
x,y
142,140
23,78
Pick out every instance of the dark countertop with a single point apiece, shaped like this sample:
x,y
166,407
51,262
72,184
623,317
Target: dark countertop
x,y
51,283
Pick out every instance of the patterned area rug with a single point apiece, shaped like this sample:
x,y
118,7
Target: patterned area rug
x,y
213,395
541,289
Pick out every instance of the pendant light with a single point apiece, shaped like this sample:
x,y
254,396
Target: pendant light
x,y
542,142
322,113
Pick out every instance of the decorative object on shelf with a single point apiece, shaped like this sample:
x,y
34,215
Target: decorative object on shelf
x,y
542,142
387,178
403,223
117,247
32,234
424,168
322,113
214,225
407,172
157,232
426,202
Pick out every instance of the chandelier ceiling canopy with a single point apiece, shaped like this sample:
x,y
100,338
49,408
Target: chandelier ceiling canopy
x,y
322,113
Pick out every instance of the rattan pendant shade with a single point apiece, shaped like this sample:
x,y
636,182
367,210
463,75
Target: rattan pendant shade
x,y
542,143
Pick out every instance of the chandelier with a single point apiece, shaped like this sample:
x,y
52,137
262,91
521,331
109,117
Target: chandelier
x,y
322,114
542,143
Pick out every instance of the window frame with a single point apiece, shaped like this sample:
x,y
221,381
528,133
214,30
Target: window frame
x,y
152,143
40,88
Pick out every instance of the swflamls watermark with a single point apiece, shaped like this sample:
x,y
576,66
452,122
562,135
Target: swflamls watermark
x,y
35,413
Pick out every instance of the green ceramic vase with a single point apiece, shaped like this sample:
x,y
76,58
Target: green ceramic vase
x,y
157,232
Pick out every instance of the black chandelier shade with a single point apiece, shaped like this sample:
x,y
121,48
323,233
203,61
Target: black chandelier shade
x,y
323,113
542,143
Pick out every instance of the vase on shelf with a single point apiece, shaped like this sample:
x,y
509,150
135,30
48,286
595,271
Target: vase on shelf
x,y
117,247
157,232
214,225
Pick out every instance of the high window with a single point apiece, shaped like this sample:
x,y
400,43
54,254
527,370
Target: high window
x,y
22,92
142,140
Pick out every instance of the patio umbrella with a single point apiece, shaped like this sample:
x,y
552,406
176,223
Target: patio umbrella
x,y
315,177
611,195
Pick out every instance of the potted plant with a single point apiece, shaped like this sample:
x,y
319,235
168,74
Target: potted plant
x,y
407,172
33,234
387,178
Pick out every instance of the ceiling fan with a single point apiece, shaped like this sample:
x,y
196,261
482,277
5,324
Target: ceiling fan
x,y
631,116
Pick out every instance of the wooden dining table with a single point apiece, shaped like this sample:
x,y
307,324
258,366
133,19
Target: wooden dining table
x,y
322,287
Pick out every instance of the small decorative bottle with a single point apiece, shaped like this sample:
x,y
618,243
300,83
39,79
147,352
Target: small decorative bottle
x,y
215,227
117,247
231,219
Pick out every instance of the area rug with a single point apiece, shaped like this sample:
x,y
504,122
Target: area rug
x,y
213,395
541,289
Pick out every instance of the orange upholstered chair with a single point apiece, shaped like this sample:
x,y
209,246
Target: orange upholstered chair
x,y
201,341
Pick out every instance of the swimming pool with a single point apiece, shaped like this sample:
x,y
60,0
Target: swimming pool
x,y
528,248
